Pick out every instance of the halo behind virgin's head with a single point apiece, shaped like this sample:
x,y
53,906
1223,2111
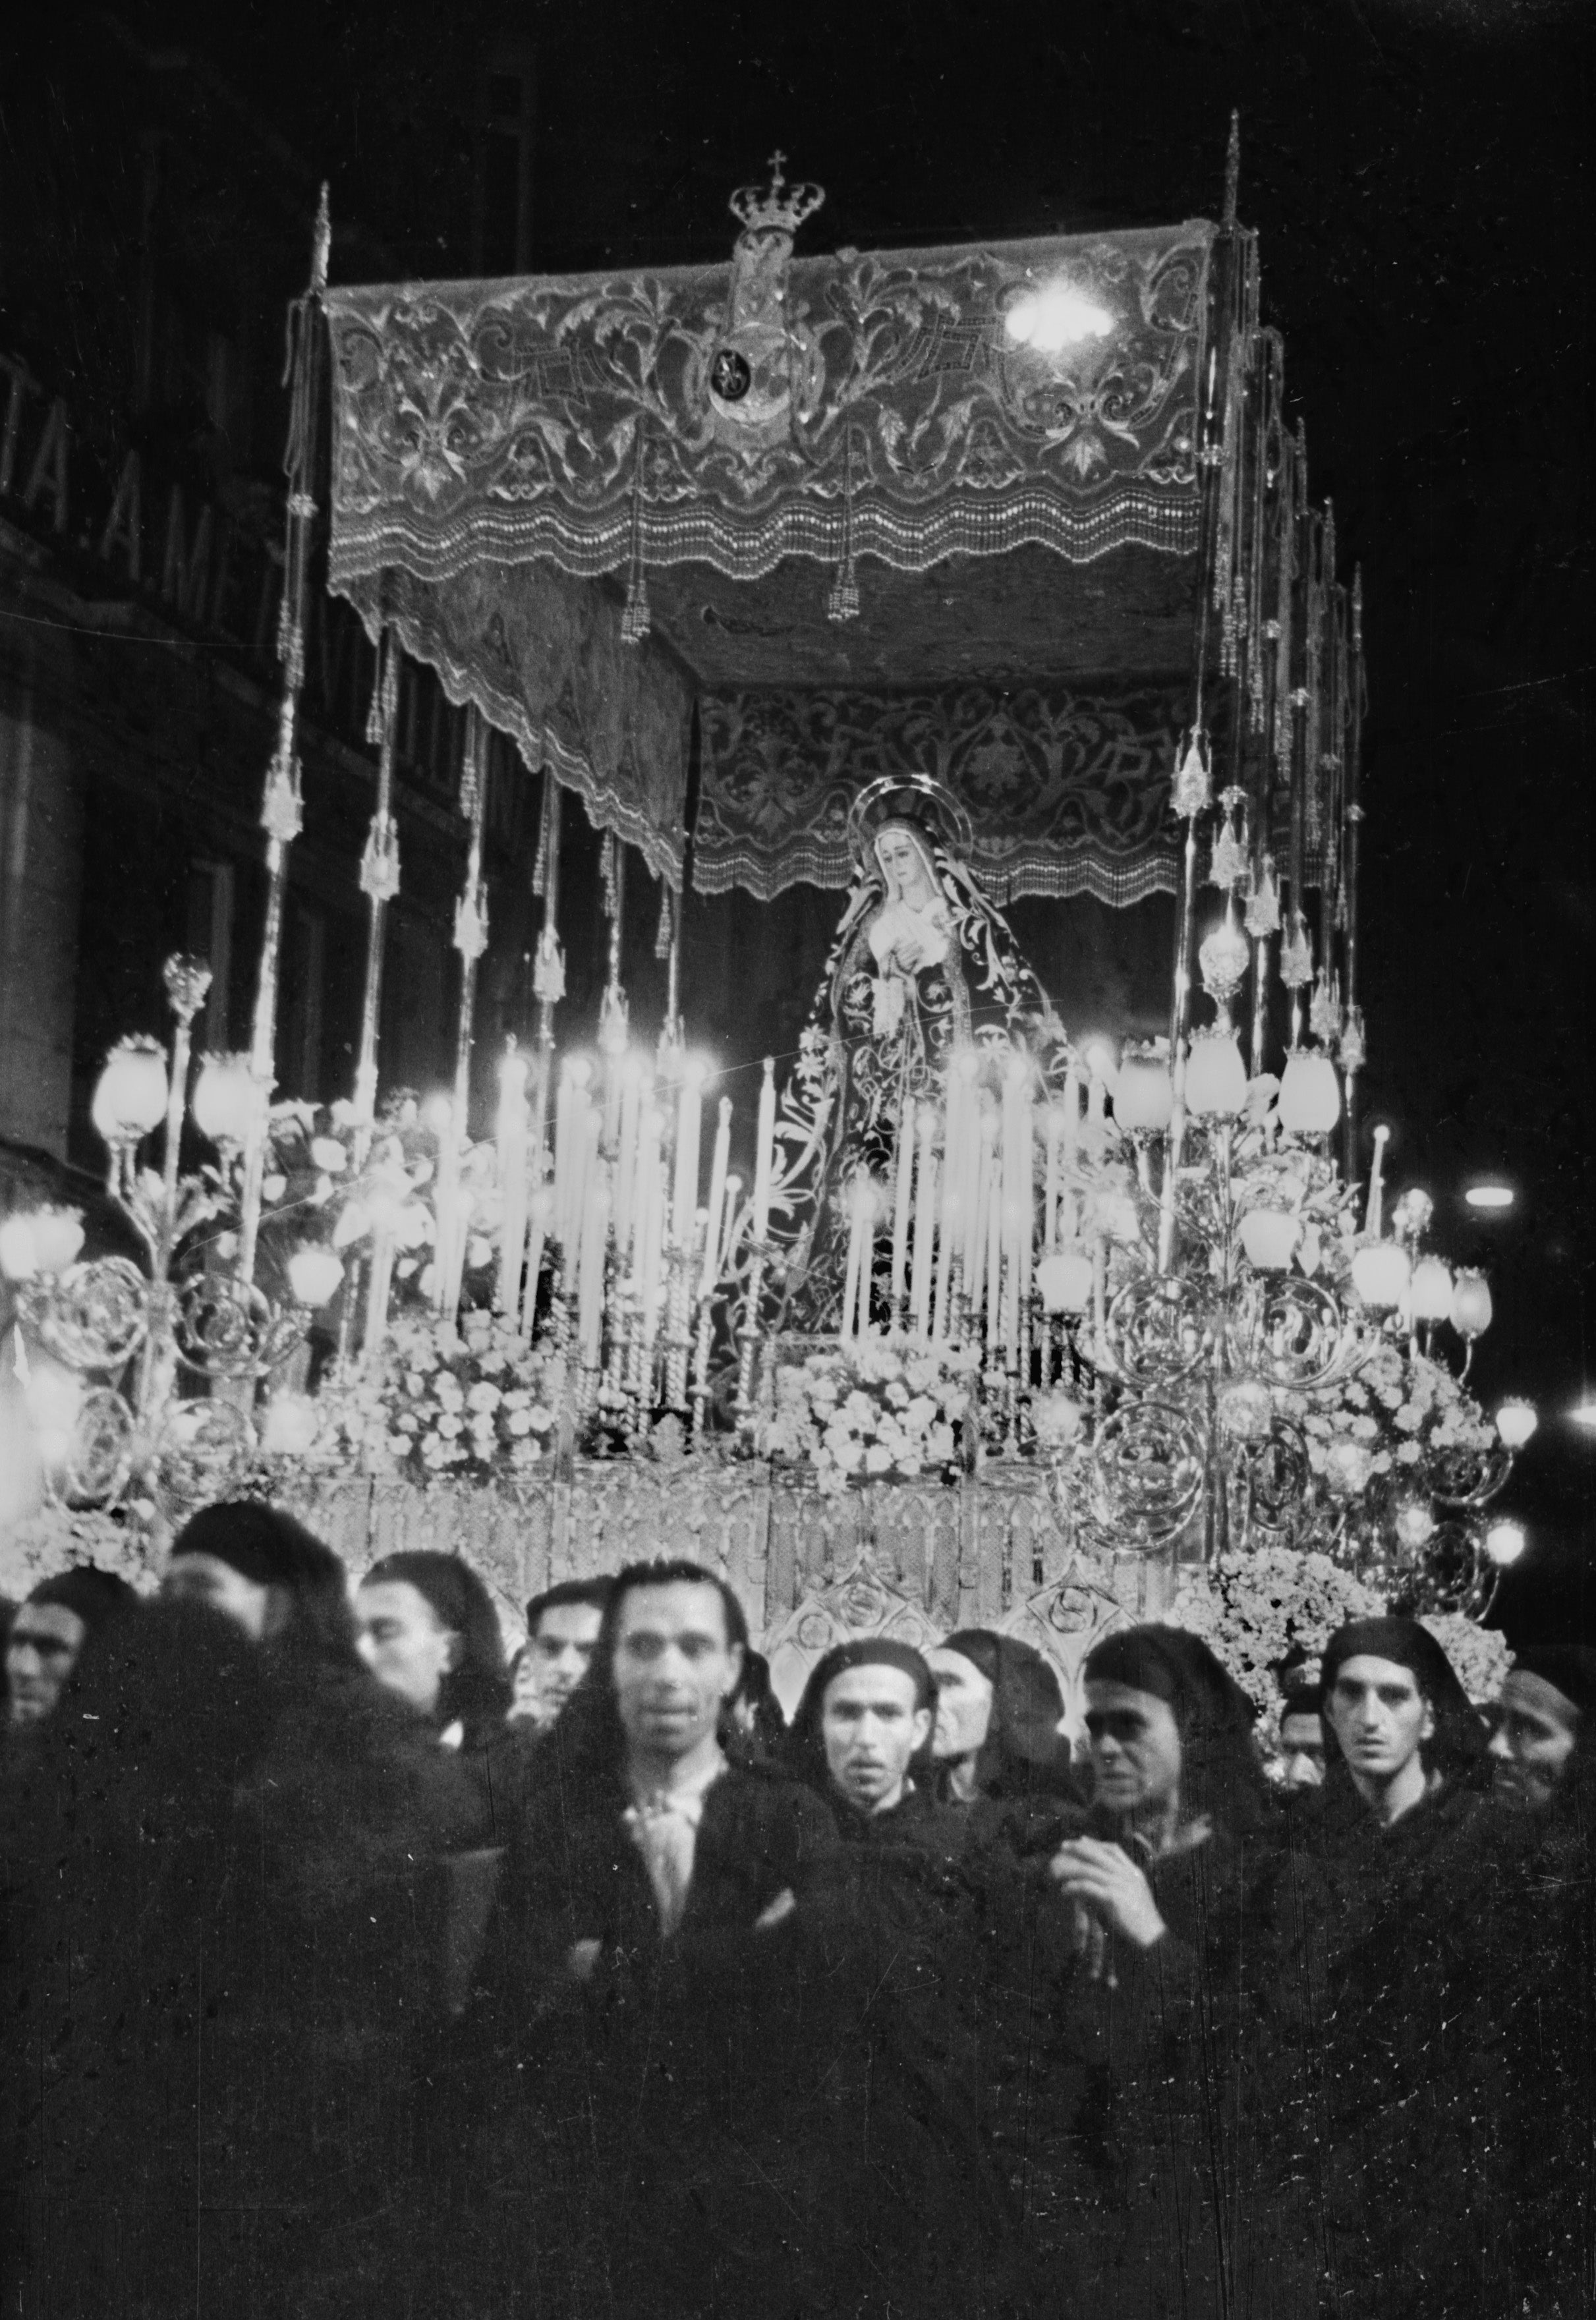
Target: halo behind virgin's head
x,y
907,797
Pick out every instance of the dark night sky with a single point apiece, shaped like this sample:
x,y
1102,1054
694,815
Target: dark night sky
x,y
1418,178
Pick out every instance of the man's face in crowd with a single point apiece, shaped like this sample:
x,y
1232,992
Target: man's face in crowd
x,y
1136,1748
1379,1715
674,1665
964,1706
557,1655
872,1723
41,1653
206,1578
403,1643
1303,1746
1534,1741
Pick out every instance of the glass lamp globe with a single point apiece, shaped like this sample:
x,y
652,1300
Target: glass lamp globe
x,y
1516,1421
289,1430
58,1234
1432,1289
1310,1093
1381,1273
19,1247
1504,1542
314,1274
225,1099
131,1098
1145,1095
1063,1282
1471,1303
1270,1238
1216,1076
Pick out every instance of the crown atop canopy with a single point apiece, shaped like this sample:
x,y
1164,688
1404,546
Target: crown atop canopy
x,y
782,210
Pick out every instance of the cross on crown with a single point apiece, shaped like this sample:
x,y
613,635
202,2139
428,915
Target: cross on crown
x,y
782,210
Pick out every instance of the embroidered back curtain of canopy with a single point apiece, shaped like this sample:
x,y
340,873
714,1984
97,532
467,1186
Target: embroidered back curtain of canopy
x,y
890,511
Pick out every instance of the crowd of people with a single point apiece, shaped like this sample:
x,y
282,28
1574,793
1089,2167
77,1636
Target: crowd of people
x,y
348,1969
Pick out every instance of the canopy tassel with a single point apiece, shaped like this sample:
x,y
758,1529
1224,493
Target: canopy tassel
x,y
842,601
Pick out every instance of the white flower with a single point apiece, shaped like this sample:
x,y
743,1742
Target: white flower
x,y
519,1422
878,1459
329,1155
484,1397
448,1426
847,1457
921,1413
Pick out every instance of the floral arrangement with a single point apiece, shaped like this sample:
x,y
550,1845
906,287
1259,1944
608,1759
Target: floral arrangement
x,y
1257,1612
58,1537
1479,1656
1394,1416
312,1173
467,1402
877,1409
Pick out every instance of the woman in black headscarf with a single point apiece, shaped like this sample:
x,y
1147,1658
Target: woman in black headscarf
x,y
998,1744
129,1870
1423,1963
906,1945
428,1629
338,1948
1544,1752
1184,2001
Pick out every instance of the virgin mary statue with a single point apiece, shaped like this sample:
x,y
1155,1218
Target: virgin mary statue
x,y
922,965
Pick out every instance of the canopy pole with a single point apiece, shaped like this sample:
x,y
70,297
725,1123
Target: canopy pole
x,y
470,941
282,809
379,883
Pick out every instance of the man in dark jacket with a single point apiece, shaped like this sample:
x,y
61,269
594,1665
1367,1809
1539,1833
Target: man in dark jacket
x,y
636,1992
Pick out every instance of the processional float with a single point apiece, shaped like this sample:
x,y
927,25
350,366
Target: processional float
x,y
985,572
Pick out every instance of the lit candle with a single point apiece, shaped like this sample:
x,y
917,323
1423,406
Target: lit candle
x,y
976,1228
765,1154
378,1288
447,1211
590,1289
866,1266
1055,1129
712,1240
511,1143
689,1129
850,1284
994,1247
925,1210
903,1189
627,1153
730,1226
1373,1216
652,1227
1070,1224
539,1210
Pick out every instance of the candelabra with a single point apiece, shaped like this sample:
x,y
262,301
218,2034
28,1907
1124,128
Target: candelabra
x,y
1277,1376
148,1371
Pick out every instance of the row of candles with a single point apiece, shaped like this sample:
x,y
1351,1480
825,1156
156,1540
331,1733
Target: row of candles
x,y
617,1201
954,1244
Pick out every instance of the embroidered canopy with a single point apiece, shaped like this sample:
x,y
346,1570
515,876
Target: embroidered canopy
x,y
915,509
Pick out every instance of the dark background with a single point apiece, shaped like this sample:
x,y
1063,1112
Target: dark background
x,y
1419,177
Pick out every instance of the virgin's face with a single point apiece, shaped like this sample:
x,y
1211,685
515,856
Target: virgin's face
x,y
901,859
